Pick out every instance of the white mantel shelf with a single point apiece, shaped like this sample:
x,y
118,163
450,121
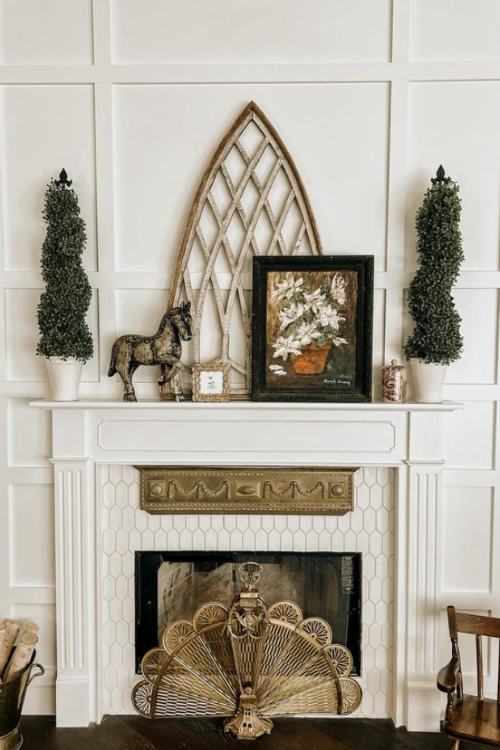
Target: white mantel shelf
x,y
443,406
89,434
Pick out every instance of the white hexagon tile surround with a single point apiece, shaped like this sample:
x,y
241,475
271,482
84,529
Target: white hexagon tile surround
x,y
125,529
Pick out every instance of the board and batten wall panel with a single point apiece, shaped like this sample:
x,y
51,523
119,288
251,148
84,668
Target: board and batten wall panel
x,y
369,95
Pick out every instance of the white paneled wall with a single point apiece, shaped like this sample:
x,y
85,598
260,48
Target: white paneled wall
x,y
369,95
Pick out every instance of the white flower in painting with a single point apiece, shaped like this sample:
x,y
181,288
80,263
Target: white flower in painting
x,y
337,289
290,314
307,333
338,341
328,316
277,370
286,289
285,345
315,299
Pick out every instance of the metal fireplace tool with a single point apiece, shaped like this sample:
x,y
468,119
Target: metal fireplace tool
x,y
247,663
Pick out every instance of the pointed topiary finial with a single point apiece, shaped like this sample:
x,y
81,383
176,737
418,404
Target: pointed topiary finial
x,y
440,178
63,179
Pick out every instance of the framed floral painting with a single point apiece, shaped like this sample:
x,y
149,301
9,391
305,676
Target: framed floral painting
x,y
312,328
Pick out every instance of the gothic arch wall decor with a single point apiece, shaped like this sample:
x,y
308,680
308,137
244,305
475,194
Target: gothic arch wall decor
x,y
250,201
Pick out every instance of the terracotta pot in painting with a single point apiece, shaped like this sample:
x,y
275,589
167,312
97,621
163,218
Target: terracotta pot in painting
x,y
312,361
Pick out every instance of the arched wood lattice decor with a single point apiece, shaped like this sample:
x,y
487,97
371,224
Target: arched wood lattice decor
x,y
250,201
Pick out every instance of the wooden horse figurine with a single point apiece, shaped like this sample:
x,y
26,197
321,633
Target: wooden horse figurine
x,y
164,349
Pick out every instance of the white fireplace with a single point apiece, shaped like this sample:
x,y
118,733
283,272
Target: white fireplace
x,y
99,526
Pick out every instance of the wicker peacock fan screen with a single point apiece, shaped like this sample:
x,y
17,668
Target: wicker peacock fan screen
x,y
250,201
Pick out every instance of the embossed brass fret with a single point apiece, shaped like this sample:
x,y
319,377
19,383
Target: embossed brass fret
x,y
249,489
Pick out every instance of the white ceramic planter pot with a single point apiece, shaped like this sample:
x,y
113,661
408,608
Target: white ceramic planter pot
x,y
64,378
428,380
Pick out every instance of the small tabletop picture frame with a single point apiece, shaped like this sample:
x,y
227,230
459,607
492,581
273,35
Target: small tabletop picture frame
x,y
312,328
212,381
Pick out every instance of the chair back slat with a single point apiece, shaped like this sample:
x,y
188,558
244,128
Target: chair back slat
x,y
477,624
479,658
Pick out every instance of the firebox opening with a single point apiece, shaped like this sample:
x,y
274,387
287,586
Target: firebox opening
x,y
171,586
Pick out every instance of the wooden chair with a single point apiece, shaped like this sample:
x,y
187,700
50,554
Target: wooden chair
x,y
467,717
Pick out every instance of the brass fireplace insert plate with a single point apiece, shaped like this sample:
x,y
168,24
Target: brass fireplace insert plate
x,y
230,489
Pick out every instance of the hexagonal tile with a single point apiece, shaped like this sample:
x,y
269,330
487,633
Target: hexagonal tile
x,y
122,633
362,497
115,611
147,540
109,632
140,521
108,541
388,543
356,521
121,495
381,612
375,635
122,587
312,541
373,682
110,677
115,564
388,497
376,543
381,660
363,543
368,566
198,540
134,540
160,540
128,610
129,475
383,475
376,497
108,588
298,543
123,678
370,475
248,540
223,540
368,612
375,590
382,567
128,519
108,495
349,541
368,656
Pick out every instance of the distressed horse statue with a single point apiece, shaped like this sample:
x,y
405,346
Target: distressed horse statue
x,y
164,349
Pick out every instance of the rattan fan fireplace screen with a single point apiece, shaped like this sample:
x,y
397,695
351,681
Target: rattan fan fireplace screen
x,y
250,201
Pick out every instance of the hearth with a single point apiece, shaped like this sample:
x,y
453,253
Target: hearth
x,y
170,586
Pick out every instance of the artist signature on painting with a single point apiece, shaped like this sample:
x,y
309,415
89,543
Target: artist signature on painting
x,y
337,381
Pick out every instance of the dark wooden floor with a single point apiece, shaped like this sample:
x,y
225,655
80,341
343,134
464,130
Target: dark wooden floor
x,y
133,733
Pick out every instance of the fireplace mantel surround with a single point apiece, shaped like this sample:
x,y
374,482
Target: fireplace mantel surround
x,y
406,437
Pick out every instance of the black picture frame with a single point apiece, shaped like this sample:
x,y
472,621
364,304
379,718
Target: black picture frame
x,y
360,390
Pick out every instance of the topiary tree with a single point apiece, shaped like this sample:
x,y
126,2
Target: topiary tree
x,y
66,298
436,336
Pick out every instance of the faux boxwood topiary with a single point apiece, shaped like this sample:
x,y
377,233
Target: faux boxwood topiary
x,y
64,302
436,336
